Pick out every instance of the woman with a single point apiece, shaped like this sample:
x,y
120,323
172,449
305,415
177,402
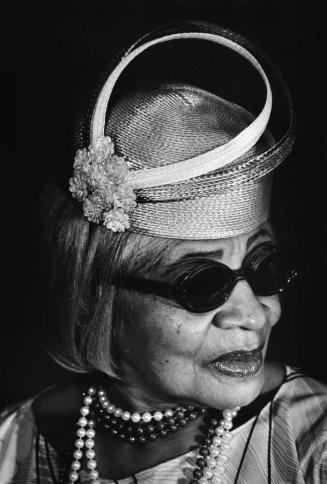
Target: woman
x,y
169,283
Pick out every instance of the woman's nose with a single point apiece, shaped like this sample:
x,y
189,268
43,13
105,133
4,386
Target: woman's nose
x,y
242,309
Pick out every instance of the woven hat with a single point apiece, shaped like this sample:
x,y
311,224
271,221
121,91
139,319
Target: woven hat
x,y
174,160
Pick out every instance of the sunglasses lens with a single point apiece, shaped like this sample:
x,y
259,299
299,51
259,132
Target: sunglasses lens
x,y
272,274
207,288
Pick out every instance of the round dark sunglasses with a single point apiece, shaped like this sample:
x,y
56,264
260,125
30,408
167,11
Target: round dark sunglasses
x,y
207,284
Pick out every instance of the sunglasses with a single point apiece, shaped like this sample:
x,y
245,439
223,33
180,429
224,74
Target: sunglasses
x,y
207,284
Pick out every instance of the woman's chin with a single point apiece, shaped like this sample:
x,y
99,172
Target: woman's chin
x,y
231,392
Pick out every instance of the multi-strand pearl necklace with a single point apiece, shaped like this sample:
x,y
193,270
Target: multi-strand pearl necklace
x,y
213,456
85,439
210,465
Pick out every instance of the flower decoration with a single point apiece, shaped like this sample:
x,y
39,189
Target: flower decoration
x,y
100,182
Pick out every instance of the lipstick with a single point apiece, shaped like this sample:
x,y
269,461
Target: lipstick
x,y
239,364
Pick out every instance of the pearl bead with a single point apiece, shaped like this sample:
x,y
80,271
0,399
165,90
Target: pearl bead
x,y
89,443
126,415
91,423
82,422
136,417
90,433
217,441
204,451
214,452
227,425
81,433
91,464
158,416
211,463
227,436
197,473
90,454
79,443
88,400
76,465
73,476
220,430
111,408
91,391
94,475
208,474
78,454
227,414
85,411
217,480
222,458
220,469
118,412
147,417
225,447
101,393
105,404
169,413
201,462
234,413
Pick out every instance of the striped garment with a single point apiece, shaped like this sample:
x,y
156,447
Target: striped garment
x,y
285,442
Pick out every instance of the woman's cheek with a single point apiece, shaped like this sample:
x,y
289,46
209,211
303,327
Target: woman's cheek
x,y
275,310
161,332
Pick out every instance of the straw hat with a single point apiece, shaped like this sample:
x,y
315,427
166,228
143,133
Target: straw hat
x,y
173,160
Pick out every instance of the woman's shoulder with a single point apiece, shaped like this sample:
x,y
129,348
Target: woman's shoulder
x,y
48,417
301,405
17,435
303,391
51,413
15,419
301,414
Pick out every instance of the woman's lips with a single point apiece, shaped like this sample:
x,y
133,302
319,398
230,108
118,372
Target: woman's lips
x,y
239,364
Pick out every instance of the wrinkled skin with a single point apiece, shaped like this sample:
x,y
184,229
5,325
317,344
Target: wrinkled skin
x,y
166,350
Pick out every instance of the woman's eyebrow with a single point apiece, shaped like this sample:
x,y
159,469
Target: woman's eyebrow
x,y
264,232
218,254
212,254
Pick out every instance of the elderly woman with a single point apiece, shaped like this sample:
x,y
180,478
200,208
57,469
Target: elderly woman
x,y
166,278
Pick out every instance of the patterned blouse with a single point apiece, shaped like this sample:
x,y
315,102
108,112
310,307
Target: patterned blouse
x,y
285,441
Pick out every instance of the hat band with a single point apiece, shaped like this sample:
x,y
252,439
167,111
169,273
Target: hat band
x,y
221,215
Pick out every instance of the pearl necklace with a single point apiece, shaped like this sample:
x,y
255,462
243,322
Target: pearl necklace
x,y
211,463
213,456
136,416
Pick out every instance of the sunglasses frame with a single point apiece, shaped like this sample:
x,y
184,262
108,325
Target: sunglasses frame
x,y
178,291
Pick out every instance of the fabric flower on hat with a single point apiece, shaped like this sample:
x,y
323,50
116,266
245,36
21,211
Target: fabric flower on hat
x,y
117,169
78,187
81,160
116,220
93,208
100,181
102,149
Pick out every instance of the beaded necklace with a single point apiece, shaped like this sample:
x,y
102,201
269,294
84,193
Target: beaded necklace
x,y
139,428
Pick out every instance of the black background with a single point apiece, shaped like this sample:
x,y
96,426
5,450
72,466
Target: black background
x,y
52,51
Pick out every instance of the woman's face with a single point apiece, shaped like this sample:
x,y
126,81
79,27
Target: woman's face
x,y
170,355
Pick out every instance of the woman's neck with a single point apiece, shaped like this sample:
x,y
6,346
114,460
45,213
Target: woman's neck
x,y
134,398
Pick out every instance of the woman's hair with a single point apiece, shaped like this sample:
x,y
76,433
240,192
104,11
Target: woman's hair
x,y
84,313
